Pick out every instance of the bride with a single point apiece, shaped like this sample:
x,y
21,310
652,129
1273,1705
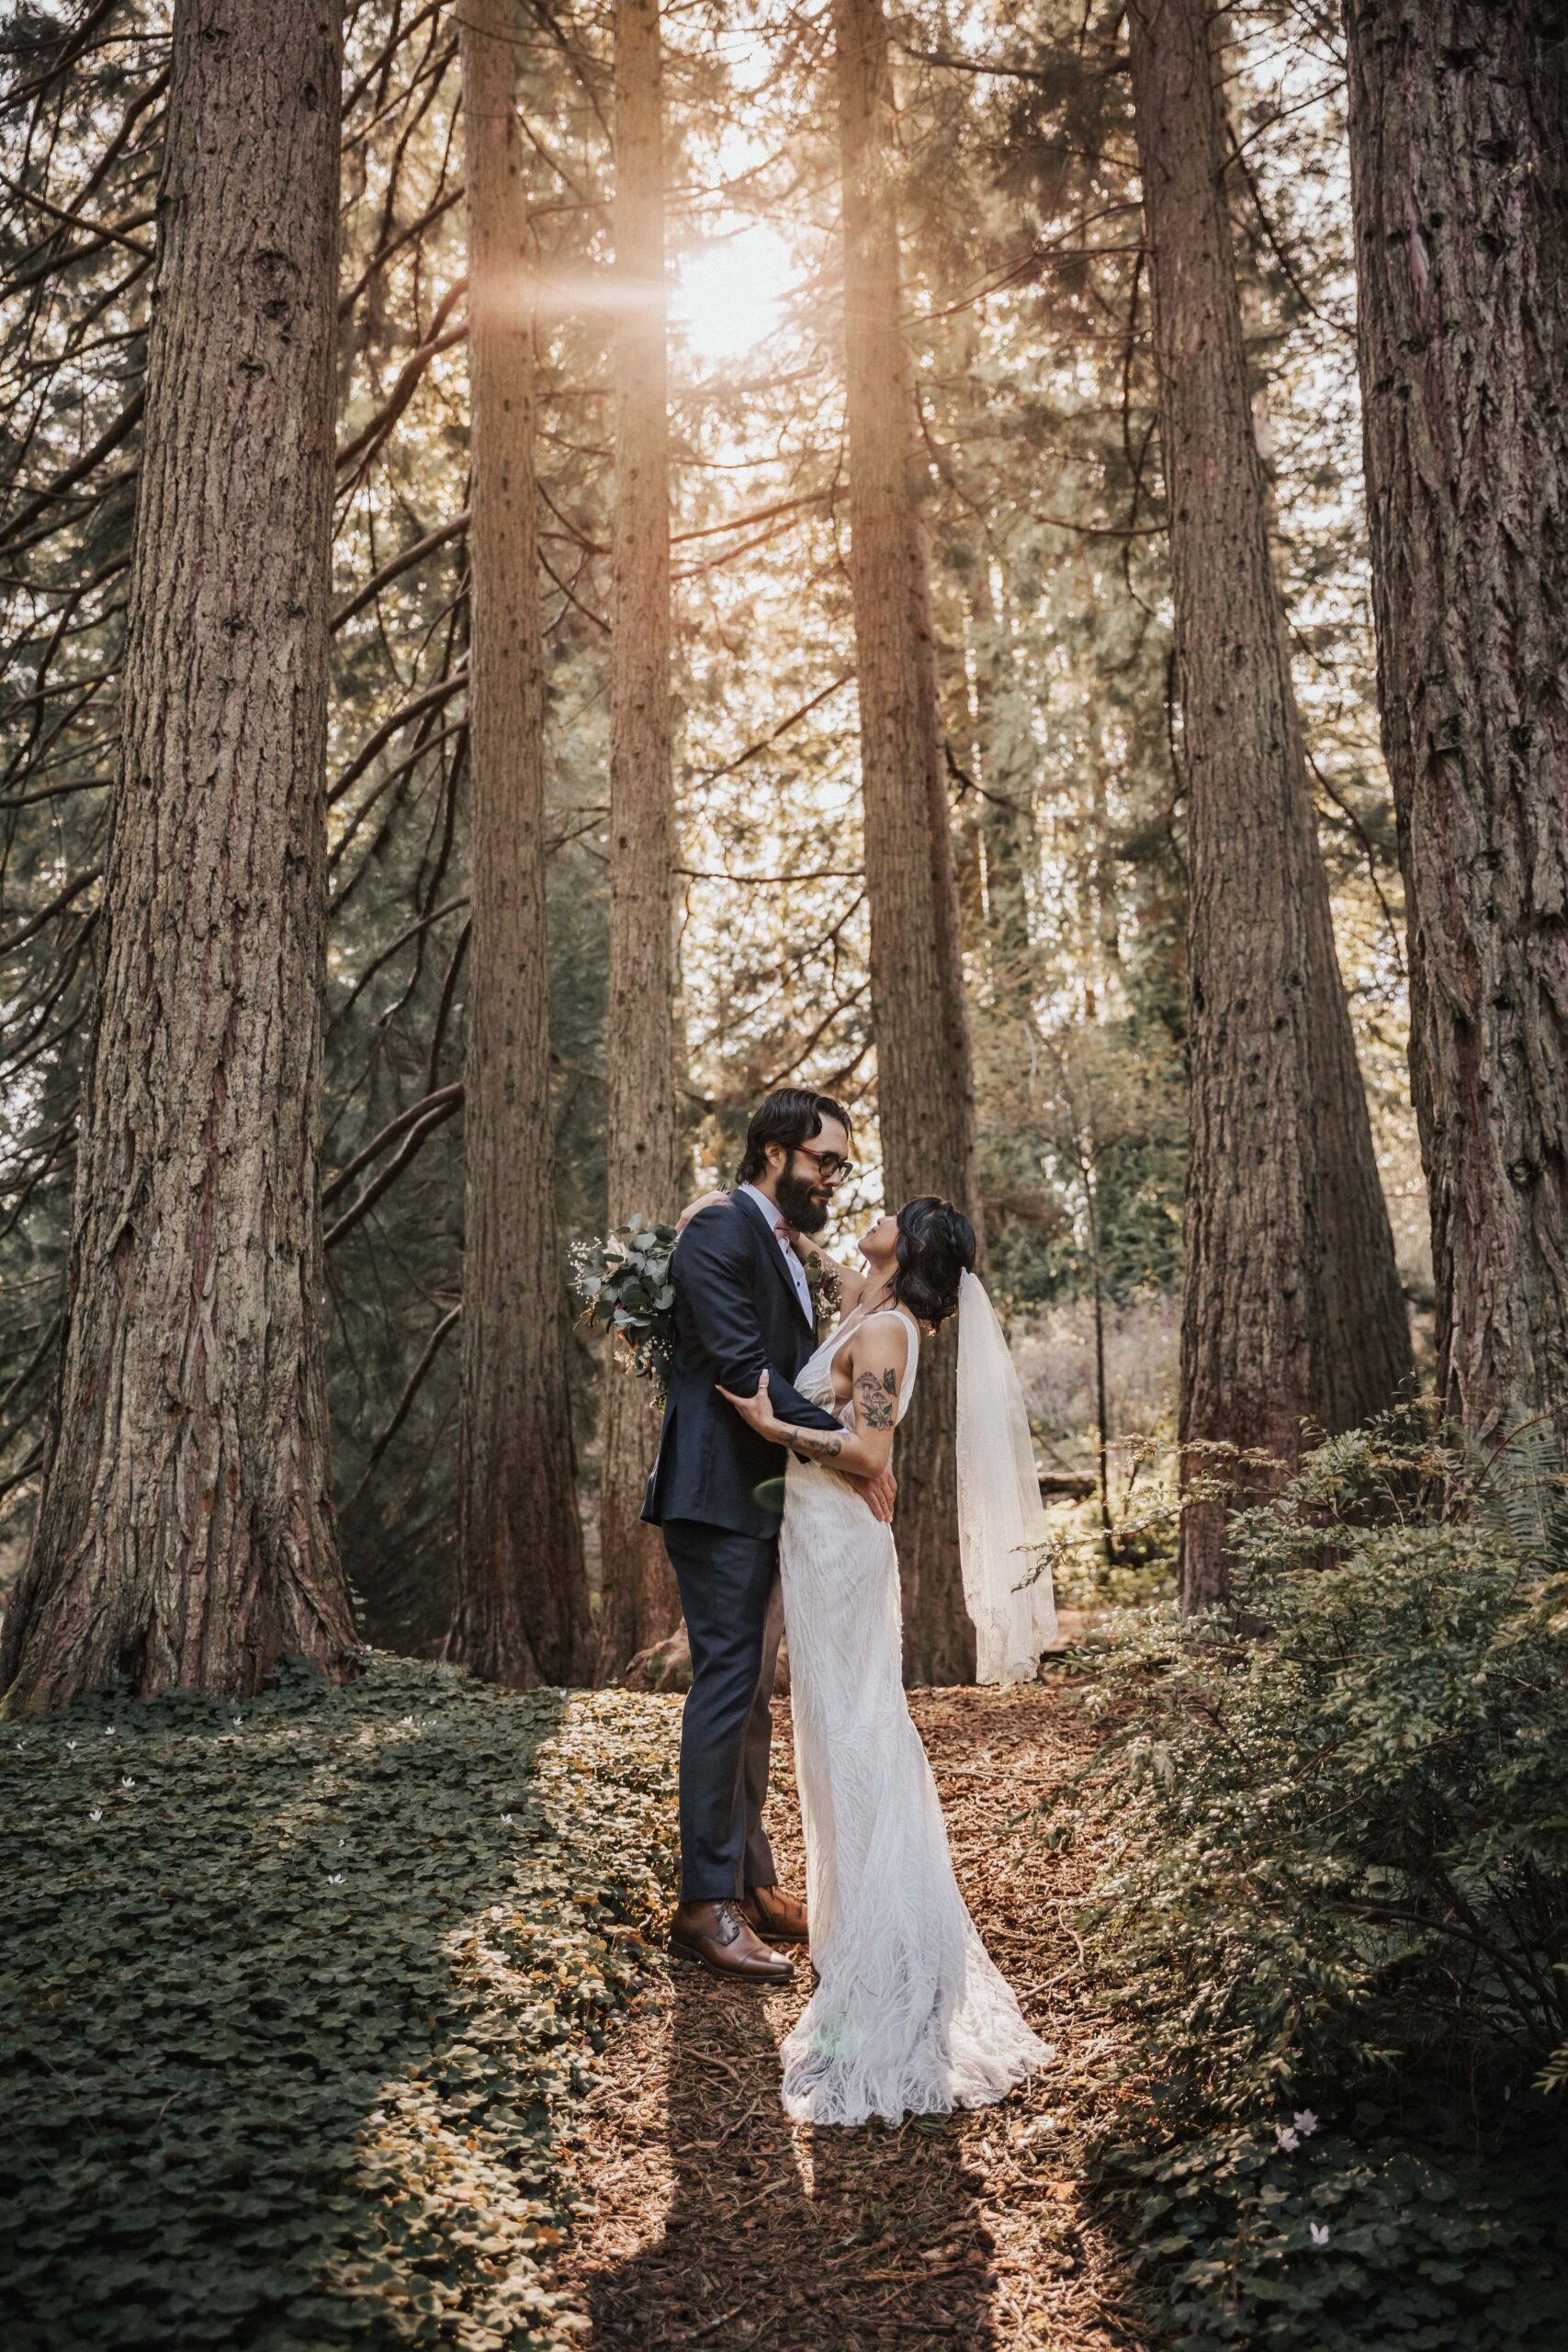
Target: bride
x,y
911,2014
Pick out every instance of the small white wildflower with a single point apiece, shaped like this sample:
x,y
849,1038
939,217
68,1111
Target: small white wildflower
x,y
1306,2123
335,1877
1034,2130
496,1912
97,1813
108,1731
408,1719
377,2115
70,1742
126,1782
20,1744
1285,2138
506,1820
237,1722
1319,2232
341,1844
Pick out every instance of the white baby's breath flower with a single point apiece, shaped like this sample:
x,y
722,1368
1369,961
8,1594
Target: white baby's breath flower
x,y
1306,2123
1285,2138
506,1820
1035,2130
70,1742
1319,2232
126,1782
335,1877
237,1722
97,1813
108,1731
408,1719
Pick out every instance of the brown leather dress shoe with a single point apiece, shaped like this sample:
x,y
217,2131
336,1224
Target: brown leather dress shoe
x,y
778,1917
716,1937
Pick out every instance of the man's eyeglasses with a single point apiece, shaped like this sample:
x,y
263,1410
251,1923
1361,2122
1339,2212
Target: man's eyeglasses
x,y
830,1165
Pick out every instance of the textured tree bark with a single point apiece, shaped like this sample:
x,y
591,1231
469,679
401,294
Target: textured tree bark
x,y
520,1611
186,1535
925,1087
1459,116
640,1604
1292,1306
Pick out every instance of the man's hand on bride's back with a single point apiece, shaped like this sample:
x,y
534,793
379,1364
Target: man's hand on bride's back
x,y
879,1493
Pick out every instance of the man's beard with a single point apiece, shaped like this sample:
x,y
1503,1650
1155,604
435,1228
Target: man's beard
x,y
796,1205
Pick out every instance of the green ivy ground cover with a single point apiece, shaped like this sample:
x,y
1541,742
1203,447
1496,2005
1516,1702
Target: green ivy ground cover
x,y
292,1994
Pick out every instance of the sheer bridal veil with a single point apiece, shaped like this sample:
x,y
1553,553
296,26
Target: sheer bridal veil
x,y
1001,1524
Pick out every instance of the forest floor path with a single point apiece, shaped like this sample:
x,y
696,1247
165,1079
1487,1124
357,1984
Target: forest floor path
x,y
710,2219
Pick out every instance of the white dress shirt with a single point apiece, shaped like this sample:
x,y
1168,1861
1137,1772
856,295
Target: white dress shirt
x,y
774,1215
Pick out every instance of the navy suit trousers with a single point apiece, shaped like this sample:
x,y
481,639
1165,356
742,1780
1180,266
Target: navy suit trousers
x,y
730,1592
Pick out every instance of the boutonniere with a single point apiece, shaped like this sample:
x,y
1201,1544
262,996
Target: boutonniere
x,y
822,1281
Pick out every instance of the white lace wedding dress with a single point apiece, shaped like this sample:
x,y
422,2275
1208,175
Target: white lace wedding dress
x,y
910,2016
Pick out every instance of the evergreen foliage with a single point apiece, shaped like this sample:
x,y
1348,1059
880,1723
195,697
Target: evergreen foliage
x,y
1341,1892
1027,310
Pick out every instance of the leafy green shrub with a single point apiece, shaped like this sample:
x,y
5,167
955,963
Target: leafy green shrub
x,y
1340,1889
1354,2239
1145,1543
292,1994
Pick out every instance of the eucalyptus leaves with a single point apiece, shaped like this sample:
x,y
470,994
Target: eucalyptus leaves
x,y
624,1282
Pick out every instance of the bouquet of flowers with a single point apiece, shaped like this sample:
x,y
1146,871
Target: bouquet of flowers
x,y
624,1281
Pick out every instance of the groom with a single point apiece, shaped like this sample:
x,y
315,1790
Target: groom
x,y
742,1308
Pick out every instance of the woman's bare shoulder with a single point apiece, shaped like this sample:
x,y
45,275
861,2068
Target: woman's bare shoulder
x,y
882,1342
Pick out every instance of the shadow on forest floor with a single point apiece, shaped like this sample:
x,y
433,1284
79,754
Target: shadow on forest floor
x,y
715,2221
293,1990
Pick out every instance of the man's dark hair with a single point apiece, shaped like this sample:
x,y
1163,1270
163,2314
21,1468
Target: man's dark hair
x,y
790,1115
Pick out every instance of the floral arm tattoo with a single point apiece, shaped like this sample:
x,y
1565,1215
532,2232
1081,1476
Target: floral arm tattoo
x,y
876,1408
877,1399
820,1445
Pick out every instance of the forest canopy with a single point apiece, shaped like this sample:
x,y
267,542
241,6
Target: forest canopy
x,y
708,234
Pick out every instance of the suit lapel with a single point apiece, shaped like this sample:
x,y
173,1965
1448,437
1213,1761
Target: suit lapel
x,y
775,1255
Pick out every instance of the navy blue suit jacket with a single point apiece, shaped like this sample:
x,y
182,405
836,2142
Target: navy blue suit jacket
x,y
736,1315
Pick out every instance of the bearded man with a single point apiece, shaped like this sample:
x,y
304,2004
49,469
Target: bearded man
x,y
742,1308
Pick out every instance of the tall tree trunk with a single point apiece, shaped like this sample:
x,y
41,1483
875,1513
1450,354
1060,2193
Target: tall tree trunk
x,y
520,1615
1458,118
925,1090
186,1535
643,1149
1292,1306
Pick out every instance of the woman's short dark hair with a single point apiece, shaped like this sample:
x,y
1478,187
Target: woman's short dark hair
x,y
790,1115
935,1249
